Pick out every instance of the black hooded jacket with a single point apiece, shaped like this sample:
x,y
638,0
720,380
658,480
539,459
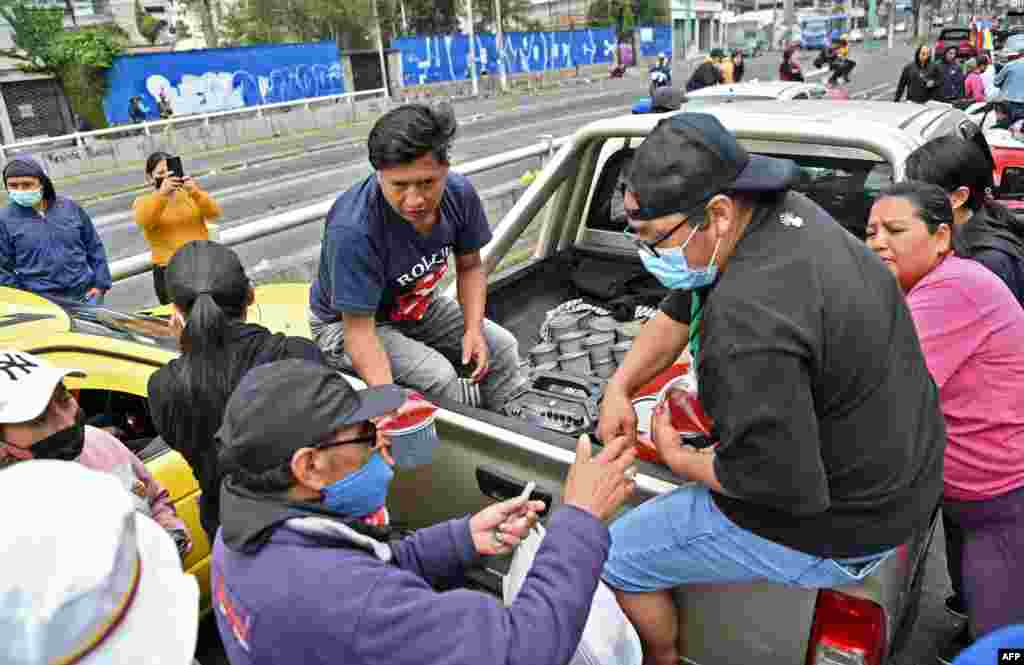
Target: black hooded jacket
x,y
706,75
250,345
915,81
997,244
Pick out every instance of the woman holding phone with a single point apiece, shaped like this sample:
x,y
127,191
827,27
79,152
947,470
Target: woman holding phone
x,y
175,213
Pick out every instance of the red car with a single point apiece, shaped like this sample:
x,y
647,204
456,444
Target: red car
x,y
961,38
1008,154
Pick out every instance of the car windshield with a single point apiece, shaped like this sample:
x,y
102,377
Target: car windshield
x,y
846,188
149,330
1015,19
955,35
814,26
1014,43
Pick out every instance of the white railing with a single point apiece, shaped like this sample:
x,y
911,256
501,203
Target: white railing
x,y
141,263
147,127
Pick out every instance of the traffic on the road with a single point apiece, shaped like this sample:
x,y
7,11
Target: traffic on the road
x,y
734,376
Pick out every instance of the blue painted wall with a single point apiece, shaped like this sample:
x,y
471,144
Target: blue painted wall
x,y
208,80
655,40
439,58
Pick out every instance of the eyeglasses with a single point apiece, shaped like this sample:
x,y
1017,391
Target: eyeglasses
x,y
370,438
651,248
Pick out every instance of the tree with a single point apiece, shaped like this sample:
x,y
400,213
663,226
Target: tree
x,y
515,15
349,23
602,13
205,10
76,58
149,27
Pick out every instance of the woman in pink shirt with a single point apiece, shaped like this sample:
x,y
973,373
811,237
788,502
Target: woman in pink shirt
x,y
974,85
971,330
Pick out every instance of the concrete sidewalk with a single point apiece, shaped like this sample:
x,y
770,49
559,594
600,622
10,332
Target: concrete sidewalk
x,y
127,175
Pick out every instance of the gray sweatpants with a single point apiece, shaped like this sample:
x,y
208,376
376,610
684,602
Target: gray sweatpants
x,y
424,353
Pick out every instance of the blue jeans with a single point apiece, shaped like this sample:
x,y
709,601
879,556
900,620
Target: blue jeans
x,y
424,353
682,538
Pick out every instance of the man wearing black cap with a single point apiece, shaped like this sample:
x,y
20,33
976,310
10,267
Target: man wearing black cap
x,y
48,244
830,438
300,575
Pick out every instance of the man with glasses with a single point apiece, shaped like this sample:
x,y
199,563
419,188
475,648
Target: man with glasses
x,y
302,572
829,434
41,419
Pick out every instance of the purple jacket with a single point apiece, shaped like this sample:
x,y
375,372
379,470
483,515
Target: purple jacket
x,y
292,584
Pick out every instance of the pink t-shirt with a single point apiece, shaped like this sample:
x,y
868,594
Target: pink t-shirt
x,y
972,333
974,87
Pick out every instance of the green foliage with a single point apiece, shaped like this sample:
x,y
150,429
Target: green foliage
x,y
515,15
602,13
76,58
181,30
348,23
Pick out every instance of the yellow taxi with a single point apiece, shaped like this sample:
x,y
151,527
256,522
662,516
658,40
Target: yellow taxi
x,y
119,351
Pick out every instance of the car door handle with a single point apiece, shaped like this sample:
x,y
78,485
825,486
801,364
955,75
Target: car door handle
x,y
501,486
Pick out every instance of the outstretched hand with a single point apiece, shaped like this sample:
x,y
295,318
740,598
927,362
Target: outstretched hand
x,y
498,529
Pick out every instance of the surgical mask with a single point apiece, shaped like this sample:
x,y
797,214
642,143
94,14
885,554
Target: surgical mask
x,y
672,269
361,493
65,445
26,199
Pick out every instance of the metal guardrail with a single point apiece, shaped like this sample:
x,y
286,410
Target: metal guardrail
x,y
142,263
147,128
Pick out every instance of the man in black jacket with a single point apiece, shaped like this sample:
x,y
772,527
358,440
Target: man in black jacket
x,y
708,73
920,79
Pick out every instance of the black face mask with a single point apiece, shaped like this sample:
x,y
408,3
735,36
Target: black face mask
x,y
157,183
64,445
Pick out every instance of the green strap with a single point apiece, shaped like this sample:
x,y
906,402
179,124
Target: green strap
x,y
696,321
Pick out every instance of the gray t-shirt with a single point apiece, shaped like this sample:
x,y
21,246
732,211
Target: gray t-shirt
x,y
831,437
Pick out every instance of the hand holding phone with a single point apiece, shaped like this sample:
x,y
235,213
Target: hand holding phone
x,y
175,168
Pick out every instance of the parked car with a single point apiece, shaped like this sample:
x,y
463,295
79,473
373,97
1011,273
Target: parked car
x,y
958,37
1008,157
856,36
571,213
900,27
735,92
1012,49
880,33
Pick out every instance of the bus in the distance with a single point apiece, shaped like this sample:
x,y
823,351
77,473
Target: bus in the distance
x,y
818,32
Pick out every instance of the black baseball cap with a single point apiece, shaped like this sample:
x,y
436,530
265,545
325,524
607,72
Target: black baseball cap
x,y
203,266
290,404
691,157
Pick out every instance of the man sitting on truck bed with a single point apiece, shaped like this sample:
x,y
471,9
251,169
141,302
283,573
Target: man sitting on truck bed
x,y
830,435
385,251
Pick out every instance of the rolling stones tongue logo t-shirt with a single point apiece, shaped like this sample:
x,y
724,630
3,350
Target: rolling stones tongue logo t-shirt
x,y
374,262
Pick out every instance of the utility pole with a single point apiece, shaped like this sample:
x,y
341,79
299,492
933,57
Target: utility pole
x,y
380,51
472,49
892,23
788,18
500,43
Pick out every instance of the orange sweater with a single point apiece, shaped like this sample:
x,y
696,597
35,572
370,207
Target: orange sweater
x,y
168,222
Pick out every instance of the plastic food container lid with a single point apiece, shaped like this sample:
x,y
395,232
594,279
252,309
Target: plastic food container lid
x,y
543,347
599,338
574,356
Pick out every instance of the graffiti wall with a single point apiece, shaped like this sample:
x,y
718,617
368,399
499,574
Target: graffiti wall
x,y
439,58
208,80
655,40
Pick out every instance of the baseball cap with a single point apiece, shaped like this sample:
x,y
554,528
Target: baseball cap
x,y
88,579
667,98
689,158
26,385
203,266
290,404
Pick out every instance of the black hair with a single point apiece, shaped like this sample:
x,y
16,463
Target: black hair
x,y
277,480
405,134
207,283
930,202
952,162
154,160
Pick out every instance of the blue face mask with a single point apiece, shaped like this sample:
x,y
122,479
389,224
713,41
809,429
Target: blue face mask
x,y
26,199
673,270
361,493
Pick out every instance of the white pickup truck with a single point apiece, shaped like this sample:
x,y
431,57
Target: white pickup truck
x,y
572,218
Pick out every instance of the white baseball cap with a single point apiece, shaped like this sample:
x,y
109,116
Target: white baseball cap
x,y
26,385
88,580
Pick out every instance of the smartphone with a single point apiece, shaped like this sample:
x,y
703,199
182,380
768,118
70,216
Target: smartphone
x,y
174,167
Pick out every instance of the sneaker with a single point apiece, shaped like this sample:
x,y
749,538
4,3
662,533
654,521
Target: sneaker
x,y
953,646
955,606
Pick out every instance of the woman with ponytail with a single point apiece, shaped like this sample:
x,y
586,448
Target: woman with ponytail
x,y
210,293
986,231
